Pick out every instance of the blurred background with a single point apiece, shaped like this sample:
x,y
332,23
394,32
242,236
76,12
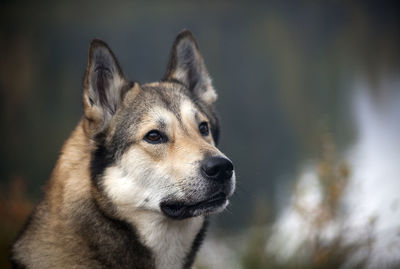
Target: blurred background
x,y
309,98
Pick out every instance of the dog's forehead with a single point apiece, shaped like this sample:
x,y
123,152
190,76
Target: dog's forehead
x,y
169,97
159,101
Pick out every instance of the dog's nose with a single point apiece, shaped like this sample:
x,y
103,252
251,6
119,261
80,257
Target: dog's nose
x,y
217,168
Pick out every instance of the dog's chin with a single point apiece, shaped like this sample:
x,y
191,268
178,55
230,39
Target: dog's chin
x,y
181,210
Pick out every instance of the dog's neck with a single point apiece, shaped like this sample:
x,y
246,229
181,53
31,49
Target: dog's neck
x,y
173,242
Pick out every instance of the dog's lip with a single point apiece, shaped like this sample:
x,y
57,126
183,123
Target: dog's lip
x,y
181,210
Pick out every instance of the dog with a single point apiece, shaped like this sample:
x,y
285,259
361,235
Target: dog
x,y
138,177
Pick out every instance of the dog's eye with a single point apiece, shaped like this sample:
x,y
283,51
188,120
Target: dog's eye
x,y
155,137
203,128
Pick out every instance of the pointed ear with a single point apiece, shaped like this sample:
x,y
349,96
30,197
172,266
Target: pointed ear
x,y
103,85
186,66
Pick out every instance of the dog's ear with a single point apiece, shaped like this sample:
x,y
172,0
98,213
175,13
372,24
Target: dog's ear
x,y
186,65
103,86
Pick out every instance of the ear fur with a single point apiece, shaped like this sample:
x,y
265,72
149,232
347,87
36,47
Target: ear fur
x,y
103,86
186,65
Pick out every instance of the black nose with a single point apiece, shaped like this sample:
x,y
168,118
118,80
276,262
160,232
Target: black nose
x,y
217,168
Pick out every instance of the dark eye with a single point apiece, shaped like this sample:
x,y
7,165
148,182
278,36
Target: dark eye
x,y
155,137
203,128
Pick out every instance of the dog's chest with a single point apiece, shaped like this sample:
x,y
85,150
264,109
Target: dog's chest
x,y
169,241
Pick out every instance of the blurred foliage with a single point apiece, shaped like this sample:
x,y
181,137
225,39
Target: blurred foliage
x,y
316,252
334,255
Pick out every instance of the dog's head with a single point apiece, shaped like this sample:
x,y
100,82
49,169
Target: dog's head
x,y
154,145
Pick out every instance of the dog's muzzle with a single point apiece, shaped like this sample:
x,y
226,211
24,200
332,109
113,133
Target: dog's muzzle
x,y
218,173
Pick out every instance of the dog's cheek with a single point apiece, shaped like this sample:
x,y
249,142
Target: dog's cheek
x,y
124,192
137,182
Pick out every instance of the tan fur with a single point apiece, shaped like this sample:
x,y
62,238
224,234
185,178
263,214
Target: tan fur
x,y
69,184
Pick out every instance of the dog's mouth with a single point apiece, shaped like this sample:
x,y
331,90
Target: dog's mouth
x,y
182,210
